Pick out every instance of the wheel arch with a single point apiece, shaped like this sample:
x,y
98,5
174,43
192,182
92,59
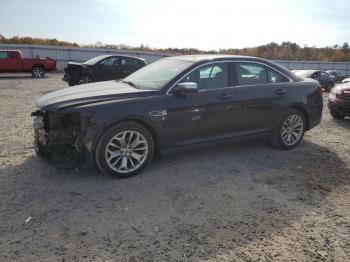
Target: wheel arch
x,y
303,110
141,122
38,65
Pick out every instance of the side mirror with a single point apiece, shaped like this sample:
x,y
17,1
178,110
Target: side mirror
x,y
186,88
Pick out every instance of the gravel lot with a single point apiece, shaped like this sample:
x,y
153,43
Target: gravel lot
x,y
228,202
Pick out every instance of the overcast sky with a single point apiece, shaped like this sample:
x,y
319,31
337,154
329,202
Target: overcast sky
x,y
200,24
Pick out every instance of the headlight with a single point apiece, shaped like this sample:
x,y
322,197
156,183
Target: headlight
x,y
336,90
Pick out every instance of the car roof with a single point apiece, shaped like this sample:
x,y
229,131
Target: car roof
x,y
202,58
118,55
208,57
128,56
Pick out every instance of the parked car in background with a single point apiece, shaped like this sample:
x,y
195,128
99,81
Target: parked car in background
x,y
325,79
338,75
174,102
101,68
12,61
339,101
346,80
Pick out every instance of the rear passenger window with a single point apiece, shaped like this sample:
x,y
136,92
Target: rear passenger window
x,y
251,74
129,62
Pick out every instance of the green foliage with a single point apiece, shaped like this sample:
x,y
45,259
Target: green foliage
x,y
285,51
35,41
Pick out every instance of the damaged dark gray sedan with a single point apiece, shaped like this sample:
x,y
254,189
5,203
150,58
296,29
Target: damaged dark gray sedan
x,y
177,101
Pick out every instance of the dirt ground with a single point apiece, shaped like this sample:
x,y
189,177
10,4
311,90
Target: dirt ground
x,y
224,202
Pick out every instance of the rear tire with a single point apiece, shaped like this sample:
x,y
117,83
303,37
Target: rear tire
x,y
124,150
290,130
38,72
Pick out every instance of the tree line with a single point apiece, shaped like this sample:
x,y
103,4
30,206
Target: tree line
x,y
284,51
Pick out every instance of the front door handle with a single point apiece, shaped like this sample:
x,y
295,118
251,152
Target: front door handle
x,y
280,92
224,96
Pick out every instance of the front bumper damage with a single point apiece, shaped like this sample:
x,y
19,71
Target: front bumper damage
x,y
57,133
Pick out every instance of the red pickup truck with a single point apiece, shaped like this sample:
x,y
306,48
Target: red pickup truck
x,y
12,61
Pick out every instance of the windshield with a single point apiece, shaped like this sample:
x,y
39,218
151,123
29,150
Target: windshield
x,y
302,73
154,76
94,60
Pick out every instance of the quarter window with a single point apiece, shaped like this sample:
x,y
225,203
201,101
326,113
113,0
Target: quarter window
x,y
209,77
275,77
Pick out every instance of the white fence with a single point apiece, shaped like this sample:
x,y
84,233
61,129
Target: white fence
x,y
65,54
322,65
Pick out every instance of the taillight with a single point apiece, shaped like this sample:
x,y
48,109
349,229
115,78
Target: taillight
x,y
320,87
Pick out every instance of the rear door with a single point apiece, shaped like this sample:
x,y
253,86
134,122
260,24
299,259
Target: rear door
x,y
261,97
127,66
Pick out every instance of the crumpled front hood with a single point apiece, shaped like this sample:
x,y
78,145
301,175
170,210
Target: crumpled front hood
x,y
76,64
88,93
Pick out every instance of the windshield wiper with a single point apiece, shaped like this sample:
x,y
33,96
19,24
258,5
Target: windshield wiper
x,y
132,84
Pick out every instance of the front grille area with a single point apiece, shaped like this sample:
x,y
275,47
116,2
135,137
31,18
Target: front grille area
x,y
346,94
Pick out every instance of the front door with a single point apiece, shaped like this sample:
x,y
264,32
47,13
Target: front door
x,y
14,62
3,59
201,116
10,62
107,69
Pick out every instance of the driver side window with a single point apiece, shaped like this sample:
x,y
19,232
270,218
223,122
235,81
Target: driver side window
x,y
209,76
109,62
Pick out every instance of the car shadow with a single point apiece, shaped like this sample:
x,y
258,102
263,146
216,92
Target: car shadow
x,y
343,122
21,77
198,203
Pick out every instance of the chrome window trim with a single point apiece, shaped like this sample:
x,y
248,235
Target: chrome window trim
x,y
229,61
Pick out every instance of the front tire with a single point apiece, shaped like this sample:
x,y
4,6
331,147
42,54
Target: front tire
x,y
85,79
38,72
41,150
290,131
124,150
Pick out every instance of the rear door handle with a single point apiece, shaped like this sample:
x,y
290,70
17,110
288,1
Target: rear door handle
x,y
280,92
224,96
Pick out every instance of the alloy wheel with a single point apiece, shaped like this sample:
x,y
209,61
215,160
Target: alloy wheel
x,y
292,130
84,80
37,73
126,151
